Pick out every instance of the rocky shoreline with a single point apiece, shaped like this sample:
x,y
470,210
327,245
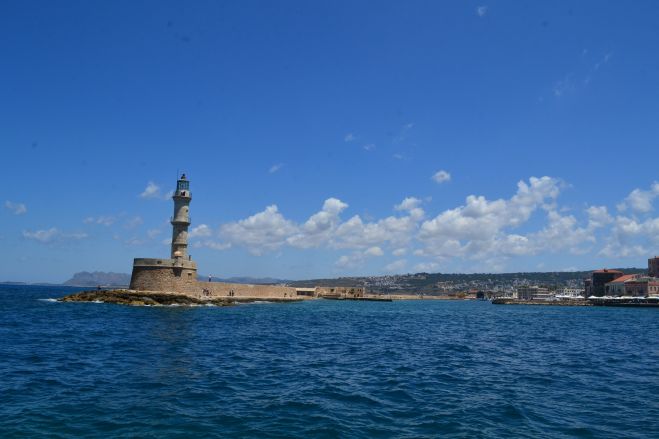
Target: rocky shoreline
x,y
152,298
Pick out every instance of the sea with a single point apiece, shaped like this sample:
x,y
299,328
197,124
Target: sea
x,y
325,369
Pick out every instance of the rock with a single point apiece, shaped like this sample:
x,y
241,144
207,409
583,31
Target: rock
x,y
140,298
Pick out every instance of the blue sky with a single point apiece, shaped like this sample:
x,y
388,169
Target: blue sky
x,y
329,138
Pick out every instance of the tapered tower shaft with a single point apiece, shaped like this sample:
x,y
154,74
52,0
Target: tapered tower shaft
x,y
181,219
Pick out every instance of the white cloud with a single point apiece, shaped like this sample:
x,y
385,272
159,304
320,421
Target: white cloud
x,y
481,11
374,251
492,231
357,258
369,146
598,216
274,168
639,200
16,208
399,252
318,229
349,137
478,228
441,176
52,235
394,231
408,203
426,267
152,190
396,266
261,232
200,231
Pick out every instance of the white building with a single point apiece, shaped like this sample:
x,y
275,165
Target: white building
x,y
533,293
570,293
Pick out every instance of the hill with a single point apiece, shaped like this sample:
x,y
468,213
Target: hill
x,y
436,283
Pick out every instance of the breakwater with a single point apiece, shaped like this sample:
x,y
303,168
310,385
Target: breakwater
x,y
154,298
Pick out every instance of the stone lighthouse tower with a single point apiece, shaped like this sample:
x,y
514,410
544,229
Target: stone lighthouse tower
x,y
181,219
179,272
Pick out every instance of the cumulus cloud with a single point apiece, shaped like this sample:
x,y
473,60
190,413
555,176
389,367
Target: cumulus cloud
x,y
357,258
481,11
349,137
369,146
479,226
152,190
441,176
200,231
426,267
274,168
640,200
374,251
491,231
319,227
399,252
395,266
52,235
16,208
261,232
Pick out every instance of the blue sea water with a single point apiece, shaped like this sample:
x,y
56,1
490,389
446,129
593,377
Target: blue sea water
x,y
325,369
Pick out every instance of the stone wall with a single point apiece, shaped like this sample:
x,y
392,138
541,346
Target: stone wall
x,y
163,279
244,290
182,280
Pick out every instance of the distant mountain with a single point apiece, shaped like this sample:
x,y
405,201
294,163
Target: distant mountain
x,y
106,279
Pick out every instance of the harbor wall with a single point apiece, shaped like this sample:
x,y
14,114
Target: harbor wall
x,y
165,278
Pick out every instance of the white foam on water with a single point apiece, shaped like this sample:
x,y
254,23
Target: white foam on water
x,y
48,300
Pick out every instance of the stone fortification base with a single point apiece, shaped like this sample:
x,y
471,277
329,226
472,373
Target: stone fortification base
x,y
154,298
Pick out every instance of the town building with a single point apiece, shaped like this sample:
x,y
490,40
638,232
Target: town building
x,y
653,267
527,292
617,287
642,287
570,293
599,278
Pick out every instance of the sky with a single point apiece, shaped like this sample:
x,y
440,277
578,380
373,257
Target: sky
x,y
326,139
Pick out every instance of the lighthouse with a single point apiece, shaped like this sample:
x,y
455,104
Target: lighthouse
x,y
181,219
179,272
